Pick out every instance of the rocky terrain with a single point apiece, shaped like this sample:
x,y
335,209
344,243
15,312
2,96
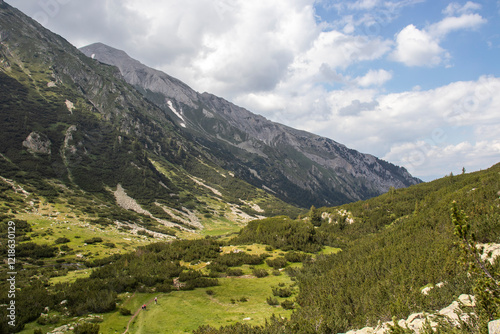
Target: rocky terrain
x,y
297,166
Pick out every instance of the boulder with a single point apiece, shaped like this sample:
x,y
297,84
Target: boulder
x,y
494,327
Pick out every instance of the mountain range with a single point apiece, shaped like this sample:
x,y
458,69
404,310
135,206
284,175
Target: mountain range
x,y
101,122
297,166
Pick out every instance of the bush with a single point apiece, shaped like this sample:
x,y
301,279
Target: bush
x,y
272,301
277,263
61,240
287,305
296,256
282,292
164,287
189,275
234,272
35,251
65,248
125,311
46,319
86,328
260,273
93,240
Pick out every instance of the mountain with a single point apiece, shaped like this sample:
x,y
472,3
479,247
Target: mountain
x,y
297,166
73,131
72,127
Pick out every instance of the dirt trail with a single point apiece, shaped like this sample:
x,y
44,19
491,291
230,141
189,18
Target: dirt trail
x,y
136,314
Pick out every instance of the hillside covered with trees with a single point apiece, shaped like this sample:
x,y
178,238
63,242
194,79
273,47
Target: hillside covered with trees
x,y
392,247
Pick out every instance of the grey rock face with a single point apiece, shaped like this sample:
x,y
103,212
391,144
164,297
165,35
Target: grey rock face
x,y
298,166
37,143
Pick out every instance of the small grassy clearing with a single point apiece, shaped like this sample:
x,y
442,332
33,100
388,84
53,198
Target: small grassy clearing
x,y
184,311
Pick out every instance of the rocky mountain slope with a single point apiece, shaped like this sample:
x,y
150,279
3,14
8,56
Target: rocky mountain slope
x,y
297,166
70,127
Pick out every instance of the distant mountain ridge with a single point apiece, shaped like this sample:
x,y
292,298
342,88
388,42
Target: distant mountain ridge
x,y
297,166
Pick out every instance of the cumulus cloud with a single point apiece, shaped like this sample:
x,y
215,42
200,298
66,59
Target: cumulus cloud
x,y
416,47
450,24
421,47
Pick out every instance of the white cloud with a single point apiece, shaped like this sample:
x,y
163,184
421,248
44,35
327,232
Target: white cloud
x,y
363,4
455,8
450,24
374,78
427,160
421,47
416,47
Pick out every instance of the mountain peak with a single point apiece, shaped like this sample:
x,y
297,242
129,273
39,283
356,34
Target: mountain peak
x,y
139,75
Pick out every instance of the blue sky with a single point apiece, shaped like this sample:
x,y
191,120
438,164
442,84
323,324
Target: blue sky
x,y
415,82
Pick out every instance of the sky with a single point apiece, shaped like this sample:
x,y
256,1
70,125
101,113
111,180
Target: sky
x,y
414,82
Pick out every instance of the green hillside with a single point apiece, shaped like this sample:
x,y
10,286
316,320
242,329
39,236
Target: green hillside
x,y
392,247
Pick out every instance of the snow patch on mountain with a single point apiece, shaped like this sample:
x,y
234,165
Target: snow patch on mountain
x,y
171,106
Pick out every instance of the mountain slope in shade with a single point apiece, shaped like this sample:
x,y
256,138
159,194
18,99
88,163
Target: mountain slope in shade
x,y
297,166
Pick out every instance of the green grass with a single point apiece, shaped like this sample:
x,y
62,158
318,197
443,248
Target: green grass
x,y
219,226
329,250
184,311
71,276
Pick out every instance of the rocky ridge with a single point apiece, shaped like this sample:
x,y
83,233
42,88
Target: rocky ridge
x,y
297,166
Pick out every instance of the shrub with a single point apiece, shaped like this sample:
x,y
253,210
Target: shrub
x,y
277,263
46,319
65,248
125,311
282,292
164,287
287,305
93,240
61,240
234,272
272,301
189,275
296,256
35,251
86,328
260,273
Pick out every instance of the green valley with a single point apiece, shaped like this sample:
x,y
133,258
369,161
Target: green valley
x,y
114,193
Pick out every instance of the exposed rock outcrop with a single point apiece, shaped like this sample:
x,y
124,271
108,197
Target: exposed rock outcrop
x,y
416,321
37,143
